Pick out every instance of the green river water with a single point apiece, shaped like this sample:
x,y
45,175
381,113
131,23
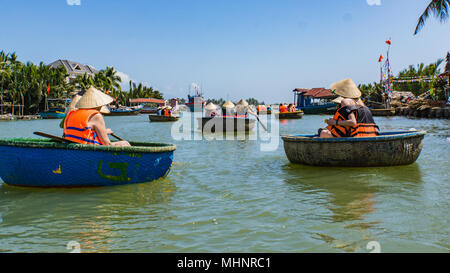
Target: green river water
x,y
229,196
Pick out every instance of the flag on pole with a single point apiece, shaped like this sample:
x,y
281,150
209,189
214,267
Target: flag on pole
x,y
380,59
388,42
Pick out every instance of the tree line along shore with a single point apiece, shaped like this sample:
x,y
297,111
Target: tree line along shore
x,y
25,88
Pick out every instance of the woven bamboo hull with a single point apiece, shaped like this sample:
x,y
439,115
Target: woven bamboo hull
x,y
291,115
157,118
220,124
388,149
43,163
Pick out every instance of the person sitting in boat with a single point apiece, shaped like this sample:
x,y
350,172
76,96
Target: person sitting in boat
x,y
353,118
86,125
167,111
261,108
291,108
283,108
228,110
242,109
159,111
211,110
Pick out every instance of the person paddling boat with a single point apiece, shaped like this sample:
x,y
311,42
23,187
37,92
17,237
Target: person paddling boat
x,y
86,124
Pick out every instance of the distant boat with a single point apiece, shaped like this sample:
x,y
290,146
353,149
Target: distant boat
x,y
125,110
221,124
196,102
159,118
314,101
54,111
290,115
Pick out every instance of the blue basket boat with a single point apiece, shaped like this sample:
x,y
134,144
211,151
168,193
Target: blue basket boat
x,y
45,163
387,149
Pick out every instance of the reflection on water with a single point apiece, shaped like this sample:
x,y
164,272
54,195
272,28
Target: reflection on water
x,y
92,216
350,194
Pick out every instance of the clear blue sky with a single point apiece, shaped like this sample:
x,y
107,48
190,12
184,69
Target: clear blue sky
x,y
233,49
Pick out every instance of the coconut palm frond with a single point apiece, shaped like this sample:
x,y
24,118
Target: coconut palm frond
x,y
439,8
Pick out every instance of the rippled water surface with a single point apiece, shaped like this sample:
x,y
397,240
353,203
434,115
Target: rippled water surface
x,y
229,196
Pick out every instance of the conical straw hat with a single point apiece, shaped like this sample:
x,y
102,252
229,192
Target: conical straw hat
x,y
338,100
242,102
346,88
228,104
93,98
211,106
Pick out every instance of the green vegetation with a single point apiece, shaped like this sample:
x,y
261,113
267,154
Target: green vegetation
x,y
439,8
30,85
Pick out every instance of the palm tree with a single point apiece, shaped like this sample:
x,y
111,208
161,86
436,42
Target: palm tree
x,y
439,8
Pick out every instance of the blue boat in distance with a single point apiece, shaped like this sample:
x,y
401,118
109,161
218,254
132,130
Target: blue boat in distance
x,y
314,101
196,102
56,110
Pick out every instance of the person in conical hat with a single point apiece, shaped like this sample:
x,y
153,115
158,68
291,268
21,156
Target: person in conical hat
x,y
346,88
228,109
242,108
242,102
85,124
352,118
211,110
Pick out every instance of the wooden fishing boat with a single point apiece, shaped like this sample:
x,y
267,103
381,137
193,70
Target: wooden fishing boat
x,y
158,118
290,115
221,124
387,149
124,110
46,163
53,113
268,112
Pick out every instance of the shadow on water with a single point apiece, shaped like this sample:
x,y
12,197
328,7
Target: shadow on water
x,y
91,216
350,194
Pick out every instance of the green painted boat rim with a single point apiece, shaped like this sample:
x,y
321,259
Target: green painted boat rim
x,y
385,136
137,147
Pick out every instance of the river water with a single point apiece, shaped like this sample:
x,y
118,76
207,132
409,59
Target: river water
x,y
232,196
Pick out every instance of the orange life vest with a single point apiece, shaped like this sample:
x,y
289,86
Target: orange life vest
x,y
363,128
283,109
76,127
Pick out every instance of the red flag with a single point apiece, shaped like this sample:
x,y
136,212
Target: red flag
x,y
48,89
380,59
388,42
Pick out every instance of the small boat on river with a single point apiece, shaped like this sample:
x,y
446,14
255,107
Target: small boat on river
x,y
290,115
46,163
225,124
387,149
161,118
124,110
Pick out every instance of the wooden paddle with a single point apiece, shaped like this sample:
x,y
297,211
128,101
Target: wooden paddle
x,y
119,138
58,139
258,119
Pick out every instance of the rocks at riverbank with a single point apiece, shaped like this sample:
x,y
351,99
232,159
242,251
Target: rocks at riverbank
x,y
422,108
